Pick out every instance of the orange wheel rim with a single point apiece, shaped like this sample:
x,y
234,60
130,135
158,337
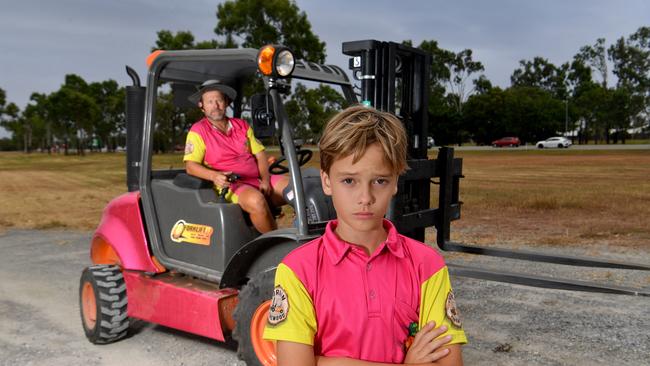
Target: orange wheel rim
x,y
265,350
89,305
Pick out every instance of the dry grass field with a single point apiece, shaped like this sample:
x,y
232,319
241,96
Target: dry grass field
x,y
564,197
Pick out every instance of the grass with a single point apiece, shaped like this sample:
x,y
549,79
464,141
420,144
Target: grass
x,y
548,197
555,197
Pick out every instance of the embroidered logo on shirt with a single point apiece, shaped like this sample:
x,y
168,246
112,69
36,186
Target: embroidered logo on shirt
x,y
279,306
453,314
189,148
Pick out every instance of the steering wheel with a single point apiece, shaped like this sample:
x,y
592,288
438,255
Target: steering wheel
x,y
277,167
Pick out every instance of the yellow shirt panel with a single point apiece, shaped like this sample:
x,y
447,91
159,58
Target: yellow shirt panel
x,y
299,325
433,305
194,148
255,144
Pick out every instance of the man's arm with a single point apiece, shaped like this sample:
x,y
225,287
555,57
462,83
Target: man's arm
x,y
263,167
220,179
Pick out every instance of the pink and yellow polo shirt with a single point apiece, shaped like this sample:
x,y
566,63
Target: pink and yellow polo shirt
x,y
231,151
332,295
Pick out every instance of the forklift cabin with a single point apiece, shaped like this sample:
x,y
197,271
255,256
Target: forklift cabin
x,y
180,208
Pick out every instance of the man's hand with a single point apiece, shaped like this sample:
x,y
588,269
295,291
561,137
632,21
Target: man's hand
x,y
220,179
426,348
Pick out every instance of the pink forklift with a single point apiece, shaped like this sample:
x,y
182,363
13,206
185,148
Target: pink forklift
x,y
171,252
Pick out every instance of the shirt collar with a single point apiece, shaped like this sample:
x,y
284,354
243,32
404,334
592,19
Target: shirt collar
x,y
337,248
228,126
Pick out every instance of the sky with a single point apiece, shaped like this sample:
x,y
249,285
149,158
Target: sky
x,y
42,41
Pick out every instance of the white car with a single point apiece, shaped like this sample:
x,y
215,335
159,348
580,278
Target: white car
x,y
558,142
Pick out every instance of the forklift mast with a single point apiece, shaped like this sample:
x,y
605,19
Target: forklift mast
x,y
394,78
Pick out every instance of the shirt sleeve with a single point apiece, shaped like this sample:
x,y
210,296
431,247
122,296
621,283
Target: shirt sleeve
x,y
255,144
194,148
437,303
292,320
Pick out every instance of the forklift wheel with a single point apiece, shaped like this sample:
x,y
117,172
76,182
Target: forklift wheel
x,y
250,316
102,304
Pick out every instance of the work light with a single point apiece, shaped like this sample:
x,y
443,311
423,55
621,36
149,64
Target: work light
x,y
276,61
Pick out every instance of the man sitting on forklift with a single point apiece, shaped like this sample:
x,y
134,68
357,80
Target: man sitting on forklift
x,y
219,147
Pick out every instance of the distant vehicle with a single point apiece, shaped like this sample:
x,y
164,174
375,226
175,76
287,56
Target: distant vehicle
x,y
430,142
507,141
559,142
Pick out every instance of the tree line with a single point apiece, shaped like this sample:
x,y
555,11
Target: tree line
x,y
543,99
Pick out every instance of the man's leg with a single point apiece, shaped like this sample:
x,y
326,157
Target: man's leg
x,y
278,183
253,201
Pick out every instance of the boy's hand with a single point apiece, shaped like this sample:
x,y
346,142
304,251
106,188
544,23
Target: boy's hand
x,y
426,348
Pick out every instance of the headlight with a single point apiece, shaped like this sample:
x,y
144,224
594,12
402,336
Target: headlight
x,y
285,63
275,61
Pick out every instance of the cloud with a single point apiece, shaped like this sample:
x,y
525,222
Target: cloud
x,y
44,40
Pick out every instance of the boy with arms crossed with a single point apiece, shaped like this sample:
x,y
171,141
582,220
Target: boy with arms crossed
x,y
362,294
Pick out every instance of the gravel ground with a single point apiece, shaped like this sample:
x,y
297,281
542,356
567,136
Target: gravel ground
x,y
506,324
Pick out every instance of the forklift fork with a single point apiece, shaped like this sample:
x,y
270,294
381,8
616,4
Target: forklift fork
x,y
449,172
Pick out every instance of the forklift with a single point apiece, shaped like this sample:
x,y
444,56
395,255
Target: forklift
x,y
171,252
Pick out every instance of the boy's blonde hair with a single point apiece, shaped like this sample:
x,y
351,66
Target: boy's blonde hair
x,y
354,129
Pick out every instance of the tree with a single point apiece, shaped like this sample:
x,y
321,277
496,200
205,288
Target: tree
x,y
596,57
74,112
528,112
36,117
3,100
9,117
482,85
592,105
450,73
542,74
184,40
461,67
310,109
631,60
259,22
111,121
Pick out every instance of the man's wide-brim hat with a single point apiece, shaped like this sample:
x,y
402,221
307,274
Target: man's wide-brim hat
x,y
213,85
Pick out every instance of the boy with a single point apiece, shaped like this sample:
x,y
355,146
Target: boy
x,y
358,294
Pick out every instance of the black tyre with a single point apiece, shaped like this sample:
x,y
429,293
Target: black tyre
x,y
250,317
103,304
540,146
560,146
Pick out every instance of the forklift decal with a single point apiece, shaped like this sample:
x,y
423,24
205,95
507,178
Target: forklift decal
x,y
191,233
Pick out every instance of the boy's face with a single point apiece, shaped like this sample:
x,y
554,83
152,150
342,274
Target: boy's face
x,y
361,192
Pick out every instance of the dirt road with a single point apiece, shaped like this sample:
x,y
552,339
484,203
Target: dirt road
x,y
506,324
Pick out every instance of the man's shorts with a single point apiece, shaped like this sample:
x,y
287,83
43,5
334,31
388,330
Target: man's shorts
x,y
237,187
